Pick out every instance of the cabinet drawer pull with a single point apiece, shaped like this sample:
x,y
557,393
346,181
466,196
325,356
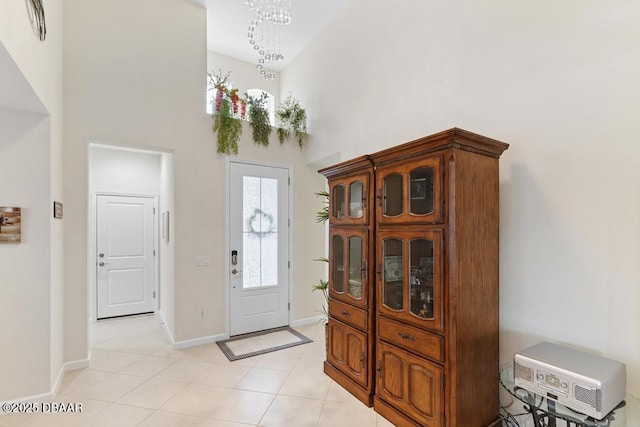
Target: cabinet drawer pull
x,y
345,313
406,337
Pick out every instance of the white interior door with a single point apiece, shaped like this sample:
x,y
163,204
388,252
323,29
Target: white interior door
x,y
259,247
124,255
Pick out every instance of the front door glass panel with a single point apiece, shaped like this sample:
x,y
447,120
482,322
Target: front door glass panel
x,y
392,187
421,191
355,267
392,271
259,232
337,272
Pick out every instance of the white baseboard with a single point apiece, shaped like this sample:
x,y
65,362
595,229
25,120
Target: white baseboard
x,y
307,321
165,327
199,341
48,397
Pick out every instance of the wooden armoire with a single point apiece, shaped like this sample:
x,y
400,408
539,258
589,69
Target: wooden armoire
x,y
413,280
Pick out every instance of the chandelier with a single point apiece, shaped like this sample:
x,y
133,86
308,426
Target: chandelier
x,y
267,19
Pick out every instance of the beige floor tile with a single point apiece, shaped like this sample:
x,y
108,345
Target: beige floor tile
x,y
116,415
195,399
222,375
338,394
87,408
204,353
145,346
184,370
383,422
167,419
310,385
148,366
208,422
112,388
341,414
116,343
169,352
152,394
281,360
241,406
263,380
292,411
74,381
114,362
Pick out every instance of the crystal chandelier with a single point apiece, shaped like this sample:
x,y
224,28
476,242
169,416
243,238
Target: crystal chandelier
x,y
267,19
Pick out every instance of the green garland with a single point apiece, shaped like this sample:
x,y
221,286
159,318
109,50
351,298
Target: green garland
x,y
259,119
228,129
293,119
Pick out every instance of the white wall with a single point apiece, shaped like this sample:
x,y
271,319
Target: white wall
x,y
244,75
30,147
139,78
556,80
114,170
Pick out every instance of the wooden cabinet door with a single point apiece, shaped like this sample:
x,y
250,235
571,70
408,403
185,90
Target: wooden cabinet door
x,y
348,261
410,192
410,384
349,200
347,351
410,276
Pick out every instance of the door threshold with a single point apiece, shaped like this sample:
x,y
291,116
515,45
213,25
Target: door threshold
x,y
127,316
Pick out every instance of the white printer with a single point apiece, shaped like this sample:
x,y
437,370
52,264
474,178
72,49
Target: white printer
x,y
583,382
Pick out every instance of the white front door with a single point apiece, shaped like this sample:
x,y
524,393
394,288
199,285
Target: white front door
x,y
259,247
125,255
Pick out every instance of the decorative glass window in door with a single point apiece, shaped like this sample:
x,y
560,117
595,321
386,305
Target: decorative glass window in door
x,y
260,232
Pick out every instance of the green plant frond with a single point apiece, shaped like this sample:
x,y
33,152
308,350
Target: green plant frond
x,y
323,259
292,119
258,116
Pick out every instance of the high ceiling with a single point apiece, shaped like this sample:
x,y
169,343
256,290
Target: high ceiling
x,y
228,21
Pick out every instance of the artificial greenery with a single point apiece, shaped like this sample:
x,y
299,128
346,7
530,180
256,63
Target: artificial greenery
x,y
229,110
293,119
228,129
259,118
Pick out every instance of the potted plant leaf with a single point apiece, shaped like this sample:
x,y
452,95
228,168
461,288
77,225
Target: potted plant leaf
x,y
322,216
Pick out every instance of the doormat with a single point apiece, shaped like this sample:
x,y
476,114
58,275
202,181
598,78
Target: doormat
x,y
248,345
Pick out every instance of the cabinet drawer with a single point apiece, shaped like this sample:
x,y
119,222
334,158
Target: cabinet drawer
x,y
412,339
348,314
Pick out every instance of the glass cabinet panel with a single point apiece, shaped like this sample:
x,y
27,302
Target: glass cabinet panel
x,y
421,191
355,267
338,201
392,292
421,278
337,258
392,187
356,199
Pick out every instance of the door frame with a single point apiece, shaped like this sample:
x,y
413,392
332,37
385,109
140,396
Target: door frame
x,y
227,238
92,260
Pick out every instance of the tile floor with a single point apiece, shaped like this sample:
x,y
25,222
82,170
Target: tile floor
x,y
136,378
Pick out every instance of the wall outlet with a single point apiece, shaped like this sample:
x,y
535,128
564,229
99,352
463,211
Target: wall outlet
x,y
202,261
